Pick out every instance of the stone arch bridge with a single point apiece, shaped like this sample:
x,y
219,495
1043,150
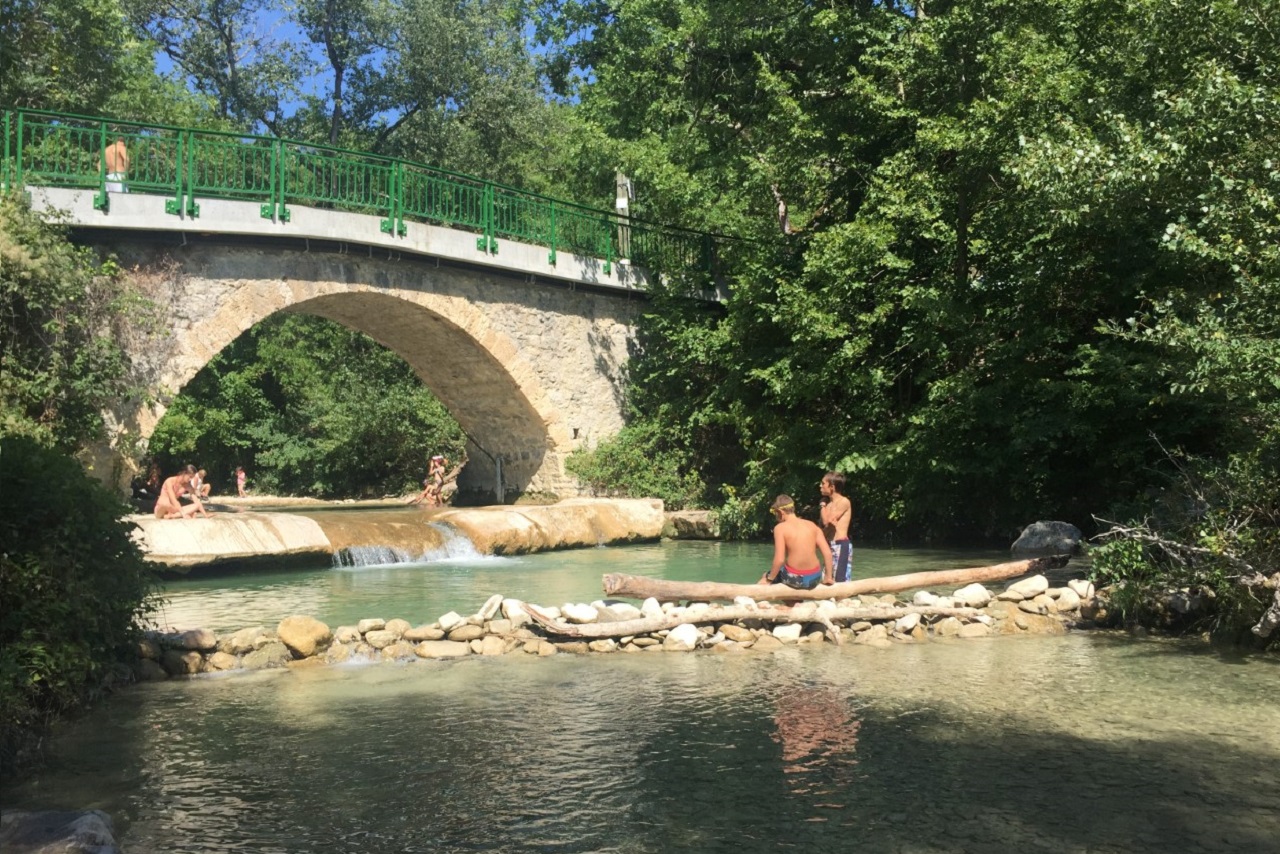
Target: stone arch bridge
x,y
517,311
530,371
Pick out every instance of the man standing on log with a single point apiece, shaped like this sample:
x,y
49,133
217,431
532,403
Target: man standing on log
x,y
797,543
836,515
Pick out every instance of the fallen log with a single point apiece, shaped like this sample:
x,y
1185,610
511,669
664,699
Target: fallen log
x,y
639,587
803,613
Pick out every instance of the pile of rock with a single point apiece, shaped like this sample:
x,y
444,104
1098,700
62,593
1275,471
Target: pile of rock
x,y
504,626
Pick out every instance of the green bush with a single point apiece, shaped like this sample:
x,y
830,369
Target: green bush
x,y
73,585
638,463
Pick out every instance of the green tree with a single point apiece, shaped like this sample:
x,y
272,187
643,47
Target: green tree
x,y
310,408
954,215
62,313
80,56
224,50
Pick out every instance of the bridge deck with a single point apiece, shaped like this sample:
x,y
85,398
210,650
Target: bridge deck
x,y
144,212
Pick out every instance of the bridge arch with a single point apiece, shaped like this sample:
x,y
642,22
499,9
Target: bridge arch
x,y
530,371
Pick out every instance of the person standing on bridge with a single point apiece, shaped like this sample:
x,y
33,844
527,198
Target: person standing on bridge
x,y
115,162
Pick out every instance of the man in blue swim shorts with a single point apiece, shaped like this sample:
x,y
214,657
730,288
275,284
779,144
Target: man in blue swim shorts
x,y
797,546
836,514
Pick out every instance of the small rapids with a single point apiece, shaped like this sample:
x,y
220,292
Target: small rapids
x,y
447,544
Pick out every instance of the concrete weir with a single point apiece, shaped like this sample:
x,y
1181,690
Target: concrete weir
x,y
248,538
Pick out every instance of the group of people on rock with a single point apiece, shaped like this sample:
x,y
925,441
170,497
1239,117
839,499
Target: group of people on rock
x,y
188,484
433,484
804,554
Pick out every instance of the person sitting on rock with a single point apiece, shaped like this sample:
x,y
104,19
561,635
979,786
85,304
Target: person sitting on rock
x,y
169,504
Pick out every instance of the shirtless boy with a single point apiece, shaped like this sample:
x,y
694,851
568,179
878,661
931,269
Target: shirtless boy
x,y
836,514
168,505
115,162
797,544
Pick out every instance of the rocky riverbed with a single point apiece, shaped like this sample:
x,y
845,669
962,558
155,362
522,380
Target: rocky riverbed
x,y
505,626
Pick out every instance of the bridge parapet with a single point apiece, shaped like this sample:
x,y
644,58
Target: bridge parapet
x,y
191,180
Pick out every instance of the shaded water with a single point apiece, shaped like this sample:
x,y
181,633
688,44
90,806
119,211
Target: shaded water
x,y
1065,744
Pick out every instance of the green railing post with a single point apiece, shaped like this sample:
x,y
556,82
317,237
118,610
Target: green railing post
x,y
100,200
608,246
267,210
4,167
394,223
282,210
487,242
192,208
551,256
174,206
17,168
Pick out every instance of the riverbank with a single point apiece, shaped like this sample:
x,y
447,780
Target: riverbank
x,y
505,626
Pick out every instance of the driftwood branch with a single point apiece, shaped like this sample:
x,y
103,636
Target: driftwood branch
x,y
803,613
1270,620
1183,554
639,587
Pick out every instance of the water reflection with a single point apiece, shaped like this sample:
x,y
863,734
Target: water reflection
x,y
817,729
898,750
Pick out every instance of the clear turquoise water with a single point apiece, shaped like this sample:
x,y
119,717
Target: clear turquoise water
x,y
1079,743
459,579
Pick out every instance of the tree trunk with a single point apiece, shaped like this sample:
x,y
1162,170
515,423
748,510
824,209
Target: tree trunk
x,y
638,587
806,612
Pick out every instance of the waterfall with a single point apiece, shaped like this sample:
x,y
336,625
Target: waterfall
x,y
450,545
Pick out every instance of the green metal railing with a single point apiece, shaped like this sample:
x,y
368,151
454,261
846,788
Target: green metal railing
x,y
188,164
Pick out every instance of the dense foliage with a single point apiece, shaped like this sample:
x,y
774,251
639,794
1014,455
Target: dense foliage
x,y
74,584
62,314
308,407
999,246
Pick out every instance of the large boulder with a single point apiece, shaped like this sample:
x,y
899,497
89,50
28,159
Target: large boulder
x,y
56,832
691,525
306,636
1048,538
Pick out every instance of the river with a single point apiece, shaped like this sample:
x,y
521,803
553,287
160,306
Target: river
x,y
1087,742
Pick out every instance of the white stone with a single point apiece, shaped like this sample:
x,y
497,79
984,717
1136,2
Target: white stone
x,y
1082,587
825,606
551,613
788,633
305,636
398,626
944,602
985,619
682,638
972,596
370,625
603,645
924,598
624,611
1029,588
576,612
907,623
651,608
745,601
1068,600
441,649
381,638
490,607
513,610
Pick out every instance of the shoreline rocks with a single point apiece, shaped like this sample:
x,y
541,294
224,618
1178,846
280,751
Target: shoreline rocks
x,y
504,626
